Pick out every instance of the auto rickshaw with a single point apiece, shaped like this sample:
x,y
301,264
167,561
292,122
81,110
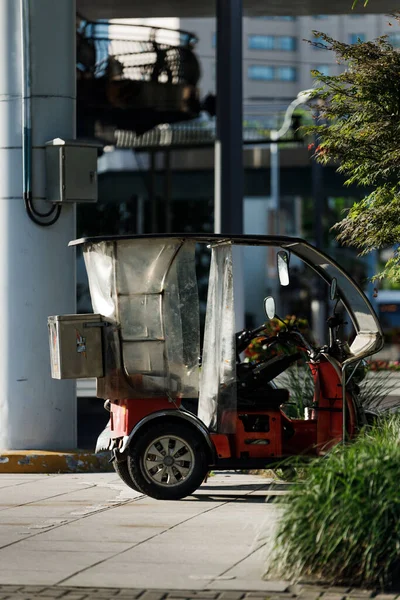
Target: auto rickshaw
x,y
172,419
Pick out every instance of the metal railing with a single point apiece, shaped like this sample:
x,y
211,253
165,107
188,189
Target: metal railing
x,y
136,52
195,133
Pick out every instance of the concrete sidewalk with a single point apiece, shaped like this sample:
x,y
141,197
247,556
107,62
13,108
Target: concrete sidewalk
x,y
90,529
88,536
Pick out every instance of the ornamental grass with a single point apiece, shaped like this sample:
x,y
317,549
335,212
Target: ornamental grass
x,y
341,524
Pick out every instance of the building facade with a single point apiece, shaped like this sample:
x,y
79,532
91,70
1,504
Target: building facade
x,y
277,59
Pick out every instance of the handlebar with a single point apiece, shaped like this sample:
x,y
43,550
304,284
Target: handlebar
x,y
335,348
244,338
335,321
312,352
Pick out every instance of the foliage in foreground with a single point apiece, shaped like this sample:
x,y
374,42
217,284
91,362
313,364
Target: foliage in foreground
x,y
358,128
375,388
342,523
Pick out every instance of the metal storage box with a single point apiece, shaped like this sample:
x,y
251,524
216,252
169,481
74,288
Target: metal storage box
x,y
76,346
71,171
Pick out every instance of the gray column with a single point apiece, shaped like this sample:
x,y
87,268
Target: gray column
x,y
229,144
319,303
168,191
153,192
275,182
37,269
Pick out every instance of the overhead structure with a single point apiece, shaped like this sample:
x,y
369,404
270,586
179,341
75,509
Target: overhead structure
x,y
134,77
228,202
123,9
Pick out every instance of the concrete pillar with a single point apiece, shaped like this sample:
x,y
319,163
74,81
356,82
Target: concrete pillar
x,y
37,269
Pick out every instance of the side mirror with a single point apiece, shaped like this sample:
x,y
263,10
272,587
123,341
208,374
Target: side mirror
x,y
333,293
269,307
283,267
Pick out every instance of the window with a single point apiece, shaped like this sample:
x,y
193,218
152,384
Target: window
x,y
214,40
321,43
274,18
285,74
354,38
320,17
269,73
394,39
324,69
287,42
261,42
272,42
261,73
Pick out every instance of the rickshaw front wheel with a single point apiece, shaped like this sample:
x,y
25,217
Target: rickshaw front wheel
x,y
168,461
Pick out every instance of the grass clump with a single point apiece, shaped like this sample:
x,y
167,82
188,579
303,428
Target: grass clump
x,y
375,389
342,523
300,383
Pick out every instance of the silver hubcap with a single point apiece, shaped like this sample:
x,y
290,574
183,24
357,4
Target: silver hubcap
x,y
168,461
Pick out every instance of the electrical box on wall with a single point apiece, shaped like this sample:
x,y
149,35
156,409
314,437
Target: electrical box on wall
x,y
71,171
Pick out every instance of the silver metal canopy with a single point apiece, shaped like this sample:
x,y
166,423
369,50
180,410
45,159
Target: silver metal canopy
x,y
123,9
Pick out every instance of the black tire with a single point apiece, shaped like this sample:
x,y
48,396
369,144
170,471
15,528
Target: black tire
x,y
177,479
121,468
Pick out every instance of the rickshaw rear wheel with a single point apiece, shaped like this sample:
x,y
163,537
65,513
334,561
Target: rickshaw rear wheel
x,y
122,470
168,461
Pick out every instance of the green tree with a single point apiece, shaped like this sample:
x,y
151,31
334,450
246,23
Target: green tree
x,y
358,128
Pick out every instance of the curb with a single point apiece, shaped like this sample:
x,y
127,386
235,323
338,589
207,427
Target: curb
x,y
43,461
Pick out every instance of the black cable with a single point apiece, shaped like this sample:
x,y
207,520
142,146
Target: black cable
x,y
33,214
38,213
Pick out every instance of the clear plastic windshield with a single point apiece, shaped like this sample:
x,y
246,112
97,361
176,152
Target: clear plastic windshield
x,y
218,372
369,337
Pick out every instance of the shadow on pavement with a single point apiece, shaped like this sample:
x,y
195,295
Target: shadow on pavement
x,y
226,493
226,498
252,487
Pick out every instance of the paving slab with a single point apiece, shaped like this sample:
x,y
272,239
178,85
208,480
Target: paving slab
x,y
84,536
20,592
80,529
